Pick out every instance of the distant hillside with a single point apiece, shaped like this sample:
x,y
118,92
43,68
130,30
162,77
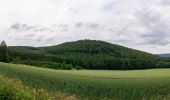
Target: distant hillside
x,y
89,54
94,47
164,55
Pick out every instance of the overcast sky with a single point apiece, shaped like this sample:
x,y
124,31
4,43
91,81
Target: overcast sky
x,y
138,24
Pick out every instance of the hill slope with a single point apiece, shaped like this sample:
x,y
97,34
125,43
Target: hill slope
x,y
89,47
90,54
93,47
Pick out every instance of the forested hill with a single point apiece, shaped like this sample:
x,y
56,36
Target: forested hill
x,y
89,54
94,47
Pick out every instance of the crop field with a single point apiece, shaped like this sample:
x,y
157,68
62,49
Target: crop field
x,y
153,84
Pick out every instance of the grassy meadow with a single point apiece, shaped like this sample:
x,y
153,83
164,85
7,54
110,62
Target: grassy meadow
x,y
153,84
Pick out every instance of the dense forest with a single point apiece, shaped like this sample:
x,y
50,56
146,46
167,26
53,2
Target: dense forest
x,y
86,54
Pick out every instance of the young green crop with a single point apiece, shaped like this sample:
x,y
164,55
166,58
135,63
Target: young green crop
x,y
13,89
94,84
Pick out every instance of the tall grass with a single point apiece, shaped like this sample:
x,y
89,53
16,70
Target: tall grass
x,y
13,89
96,85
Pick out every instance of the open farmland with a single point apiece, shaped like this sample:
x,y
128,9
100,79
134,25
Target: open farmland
x,y
95,84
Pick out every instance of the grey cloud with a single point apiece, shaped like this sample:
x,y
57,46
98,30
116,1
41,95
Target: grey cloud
x,y
41,29
20,27
29,28
40,38
124,41
87,25
25,27
92,25
79,24
156,33
148,17
155,39
50,39
16,26
165,2
63,27
24,40
64,30
30,35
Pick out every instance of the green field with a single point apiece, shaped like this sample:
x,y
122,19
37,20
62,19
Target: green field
x,y
95,84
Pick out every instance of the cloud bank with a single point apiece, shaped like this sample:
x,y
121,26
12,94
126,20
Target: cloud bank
x,y
138,24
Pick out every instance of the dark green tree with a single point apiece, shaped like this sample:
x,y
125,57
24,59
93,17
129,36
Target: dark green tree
x,y
3,52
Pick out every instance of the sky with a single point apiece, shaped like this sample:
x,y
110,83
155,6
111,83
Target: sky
x,y
138,24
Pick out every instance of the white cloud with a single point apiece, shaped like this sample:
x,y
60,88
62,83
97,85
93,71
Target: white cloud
x,y
140,24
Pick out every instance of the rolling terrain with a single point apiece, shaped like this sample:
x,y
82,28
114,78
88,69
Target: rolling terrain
x,y
150,84
88,54
164,55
